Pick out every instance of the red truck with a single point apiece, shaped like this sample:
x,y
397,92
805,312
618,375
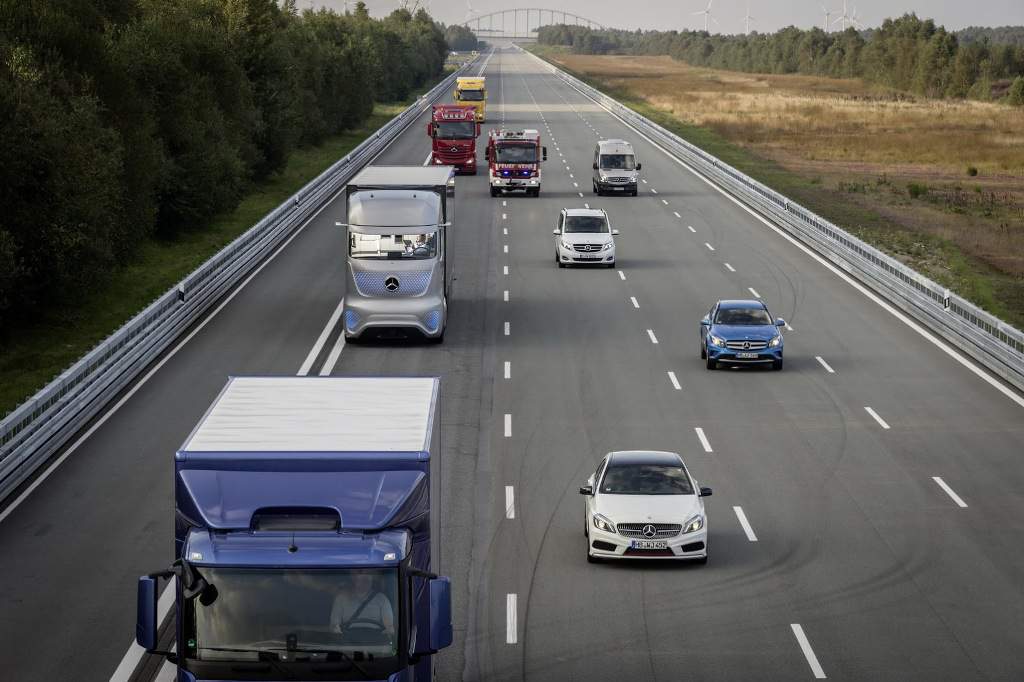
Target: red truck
x,y
453,131
513,159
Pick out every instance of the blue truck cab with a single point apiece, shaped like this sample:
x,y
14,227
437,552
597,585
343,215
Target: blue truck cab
x,y
303,537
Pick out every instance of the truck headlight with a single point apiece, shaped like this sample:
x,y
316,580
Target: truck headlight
x,y
715,341
693,524
603,523
776,341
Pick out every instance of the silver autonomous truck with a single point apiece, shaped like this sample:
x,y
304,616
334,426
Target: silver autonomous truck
x,y
399,220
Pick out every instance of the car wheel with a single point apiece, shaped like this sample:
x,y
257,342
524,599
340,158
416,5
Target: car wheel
x,y
703,352
777,364
702,561
591,559
593,186
586,529
711,363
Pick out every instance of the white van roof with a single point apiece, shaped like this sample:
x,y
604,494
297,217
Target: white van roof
x,y
614,147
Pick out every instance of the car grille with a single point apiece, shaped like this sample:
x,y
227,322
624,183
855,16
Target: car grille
x,y
636,530
587,248
746,345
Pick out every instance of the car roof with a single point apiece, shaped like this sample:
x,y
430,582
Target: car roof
x,y
596,212
628,457
741,303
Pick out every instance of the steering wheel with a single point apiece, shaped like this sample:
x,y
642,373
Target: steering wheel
x,y
372,625
421,251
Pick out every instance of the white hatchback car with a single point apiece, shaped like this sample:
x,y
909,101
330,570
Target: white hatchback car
x,y
645,505
584,236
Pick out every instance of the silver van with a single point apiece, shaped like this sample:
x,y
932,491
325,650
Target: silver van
x,y
399,222
615,168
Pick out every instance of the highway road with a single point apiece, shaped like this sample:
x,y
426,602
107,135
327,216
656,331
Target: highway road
x,y
868,512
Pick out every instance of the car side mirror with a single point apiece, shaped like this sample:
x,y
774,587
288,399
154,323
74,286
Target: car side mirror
x,y
595,166
556,231
639,166
705,492
145,613
705,322
780,322
614,232
544,153
586,490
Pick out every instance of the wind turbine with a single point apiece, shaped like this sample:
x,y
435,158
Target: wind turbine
x,y
707,15
828,13
853,19
470,11
746,20
848,18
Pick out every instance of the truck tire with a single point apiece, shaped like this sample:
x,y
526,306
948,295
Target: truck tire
x,y
494,192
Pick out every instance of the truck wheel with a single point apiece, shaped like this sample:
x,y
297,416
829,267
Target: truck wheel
x,y
536,192
436,340
494,192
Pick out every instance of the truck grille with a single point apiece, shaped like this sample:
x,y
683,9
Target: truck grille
x,y
617,180
587,248
409,283
746,345
661,530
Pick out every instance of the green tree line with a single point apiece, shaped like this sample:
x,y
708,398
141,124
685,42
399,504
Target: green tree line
x,y
906,53
121,120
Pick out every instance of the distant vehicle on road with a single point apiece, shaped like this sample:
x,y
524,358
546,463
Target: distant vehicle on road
x,y
615,168
513,161
741,332
584,236
453,131
472,91
644,505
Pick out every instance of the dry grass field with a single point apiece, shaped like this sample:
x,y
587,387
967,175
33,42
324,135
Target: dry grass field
x,y
943,181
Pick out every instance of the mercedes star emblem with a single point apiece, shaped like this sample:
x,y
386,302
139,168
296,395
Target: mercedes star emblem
x,y
649,531
391,283
455,149
746,344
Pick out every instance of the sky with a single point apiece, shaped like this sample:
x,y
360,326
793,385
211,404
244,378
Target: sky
x,y
678,14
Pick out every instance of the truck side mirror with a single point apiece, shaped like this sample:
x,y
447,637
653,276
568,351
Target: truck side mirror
x,y
639,166
556,231
544,154
595,166
430,130
440,613
145,615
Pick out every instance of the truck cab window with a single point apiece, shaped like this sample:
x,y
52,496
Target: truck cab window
x,y
393,247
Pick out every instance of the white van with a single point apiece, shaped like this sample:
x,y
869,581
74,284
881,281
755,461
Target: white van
x,y
615,168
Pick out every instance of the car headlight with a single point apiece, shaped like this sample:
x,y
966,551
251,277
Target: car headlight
x,y
694,524
715,341
608,246
775,341
566,245
603,523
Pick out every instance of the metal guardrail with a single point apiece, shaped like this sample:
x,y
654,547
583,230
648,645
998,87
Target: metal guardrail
x,y
996,344
37,428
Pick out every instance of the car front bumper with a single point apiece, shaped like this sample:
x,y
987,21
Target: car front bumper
x,y
764,356
585,257
616,186
684,546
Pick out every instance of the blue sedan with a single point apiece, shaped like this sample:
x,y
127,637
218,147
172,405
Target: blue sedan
x,y
741,332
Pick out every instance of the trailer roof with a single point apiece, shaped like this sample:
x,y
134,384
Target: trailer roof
x,y
403,176
319,414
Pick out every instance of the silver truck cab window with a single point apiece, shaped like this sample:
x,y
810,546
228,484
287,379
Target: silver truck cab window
x,y
393,246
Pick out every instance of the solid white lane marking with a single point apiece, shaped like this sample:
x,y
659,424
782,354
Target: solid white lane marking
x,y
510,503
676,214
753,291
878,419
746,524
622,275
949,491
710,248
504,248
690,227
505,295
632,300
675,382
824,364
504,270
730,268
307,364
664,202
332,357
703,439
168,672
508,369
650,333
131,658
805,646
510,619
508,425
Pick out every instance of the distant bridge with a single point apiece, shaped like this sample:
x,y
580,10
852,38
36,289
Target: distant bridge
x,y
522,23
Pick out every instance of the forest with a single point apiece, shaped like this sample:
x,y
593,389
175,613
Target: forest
x,y
906,53
127,120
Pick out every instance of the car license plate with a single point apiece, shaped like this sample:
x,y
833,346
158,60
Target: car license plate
x,y
649,544
588,256
747,356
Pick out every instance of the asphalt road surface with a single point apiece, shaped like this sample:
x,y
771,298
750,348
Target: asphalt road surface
x,y
868,512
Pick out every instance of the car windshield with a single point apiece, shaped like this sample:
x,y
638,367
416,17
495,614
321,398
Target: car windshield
x,y
618,162
471,95
264,614
646,479
392,246
455,130
516,153
585,223
751,316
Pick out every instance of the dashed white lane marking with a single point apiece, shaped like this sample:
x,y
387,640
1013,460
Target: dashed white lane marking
x,y
654,191
506,329
710,248
622,275
504,202
949,491
650,333
586,205
505,248
508,369
510,503
504,216
572,176
510,619
581,194
426,161
508,425
504,230
703,439
505,295
675,382
730,268
307,364
824,364
643,181
690,227
504,270
332,357
632,299
881,422
576,184
753,292
805,646
746,524
676,214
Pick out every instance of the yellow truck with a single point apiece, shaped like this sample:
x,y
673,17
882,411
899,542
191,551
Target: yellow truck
x,y
472,91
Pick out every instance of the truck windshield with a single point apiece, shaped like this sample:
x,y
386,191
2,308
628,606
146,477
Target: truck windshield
x,y
455,130
515,153
618,162
471,95
392,246
585,223
294,620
